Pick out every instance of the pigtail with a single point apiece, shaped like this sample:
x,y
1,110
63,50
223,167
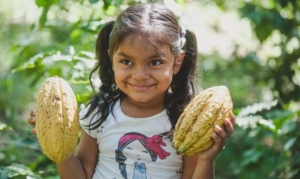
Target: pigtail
x,y
182,85
108,90
102,45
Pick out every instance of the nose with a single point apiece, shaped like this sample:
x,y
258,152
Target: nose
x,y
140,73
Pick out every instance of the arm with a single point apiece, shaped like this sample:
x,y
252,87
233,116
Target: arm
x,y
204,170
194,168
189,165
81,165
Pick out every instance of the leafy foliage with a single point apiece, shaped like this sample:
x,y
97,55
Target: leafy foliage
x,y
265,92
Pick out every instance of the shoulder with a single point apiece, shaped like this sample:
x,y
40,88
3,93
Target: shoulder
x,y
90,117
88,112
87,118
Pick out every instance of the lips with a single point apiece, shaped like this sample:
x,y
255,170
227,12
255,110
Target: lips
x,y
141,87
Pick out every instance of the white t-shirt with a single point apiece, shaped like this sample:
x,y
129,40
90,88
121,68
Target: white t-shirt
x,y
132,147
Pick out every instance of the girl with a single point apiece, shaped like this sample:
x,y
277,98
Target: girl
x,y
147,77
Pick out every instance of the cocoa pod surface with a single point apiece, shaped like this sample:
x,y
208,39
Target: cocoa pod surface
x,y
57,123
194,129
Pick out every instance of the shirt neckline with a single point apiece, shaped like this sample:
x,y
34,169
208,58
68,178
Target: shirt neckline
x,y
118,105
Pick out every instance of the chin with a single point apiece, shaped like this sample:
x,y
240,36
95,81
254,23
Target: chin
x,y
140,99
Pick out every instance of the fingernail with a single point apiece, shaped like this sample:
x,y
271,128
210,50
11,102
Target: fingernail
x,y
218,127
214,135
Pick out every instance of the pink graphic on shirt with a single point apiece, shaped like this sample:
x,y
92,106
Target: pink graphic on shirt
x,y
153,143
141,150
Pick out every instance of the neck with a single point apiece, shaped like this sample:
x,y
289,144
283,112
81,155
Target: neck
x,y
157,103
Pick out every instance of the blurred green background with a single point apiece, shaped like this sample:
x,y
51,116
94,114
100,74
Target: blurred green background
x,y
251,46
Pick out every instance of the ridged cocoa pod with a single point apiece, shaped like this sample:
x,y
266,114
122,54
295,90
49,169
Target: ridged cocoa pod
x,y
194,129
57,123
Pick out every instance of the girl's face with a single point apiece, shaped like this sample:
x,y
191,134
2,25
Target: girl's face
x,y
142,72
137,152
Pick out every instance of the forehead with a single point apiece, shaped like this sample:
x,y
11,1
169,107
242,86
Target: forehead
x,y
141,45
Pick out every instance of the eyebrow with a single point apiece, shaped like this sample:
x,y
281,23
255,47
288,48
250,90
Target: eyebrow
x,y
150,57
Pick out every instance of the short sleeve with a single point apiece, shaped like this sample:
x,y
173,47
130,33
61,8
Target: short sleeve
x,y
85,122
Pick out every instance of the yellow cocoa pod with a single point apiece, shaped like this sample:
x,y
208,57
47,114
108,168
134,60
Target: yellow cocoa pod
x,y
57,123
194,129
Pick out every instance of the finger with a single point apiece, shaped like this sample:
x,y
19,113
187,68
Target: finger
x,y
31,121
218,141
221,133
228,127
232,119
32,112
33,131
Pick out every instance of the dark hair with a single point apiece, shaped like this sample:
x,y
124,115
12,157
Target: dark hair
x,y
161,27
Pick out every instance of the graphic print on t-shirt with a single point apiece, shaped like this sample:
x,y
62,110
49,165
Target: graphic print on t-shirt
x,y
141,150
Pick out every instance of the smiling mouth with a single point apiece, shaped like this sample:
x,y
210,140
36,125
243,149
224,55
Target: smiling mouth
x,y
140,88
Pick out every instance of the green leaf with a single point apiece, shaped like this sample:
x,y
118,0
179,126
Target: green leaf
x,y
76,82
181,2
17,170
3,126
288,127
33,61
88,54
113,2
3,173
251,156
76,34
289,143
41,3
92,26
111,10
43,18
296,158
93,1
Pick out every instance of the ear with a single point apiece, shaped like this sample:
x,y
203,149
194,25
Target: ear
x,y
178,62
109,54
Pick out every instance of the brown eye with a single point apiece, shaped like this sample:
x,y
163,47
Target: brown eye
x,y
155,63
126,62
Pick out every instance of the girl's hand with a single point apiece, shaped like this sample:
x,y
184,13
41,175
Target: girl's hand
x,y
31,121
220,136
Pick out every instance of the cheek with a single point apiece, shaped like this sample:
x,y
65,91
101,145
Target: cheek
x,y
118,79
165,76
120,73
